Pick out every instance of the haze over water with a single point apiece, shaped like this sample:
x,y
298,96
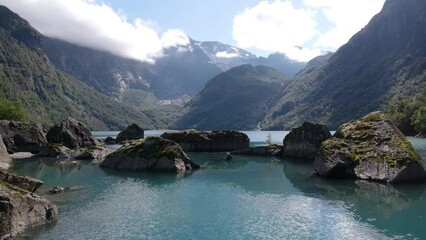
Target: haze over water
x,y
246,198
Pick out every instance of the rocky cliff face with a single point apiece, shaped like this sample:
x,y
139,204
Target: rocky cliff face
x,y
370,148
383,62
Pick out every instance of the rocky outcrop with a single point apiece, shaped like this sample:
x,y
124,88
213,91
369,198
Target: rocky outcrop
x,y
271,150
150,154
305,141
20,209
96,153
27,183
370,148
5,158
110,141
22,137
132,132
215,141
72,134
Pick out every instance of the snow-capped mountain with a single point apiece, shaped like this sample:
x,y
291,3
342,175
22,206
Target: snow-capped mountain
x,y
225,56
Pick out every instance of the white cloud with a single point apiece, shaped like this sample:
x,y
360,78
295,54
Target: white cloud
x,y
347,16
297,32
225,54
276,26
97,25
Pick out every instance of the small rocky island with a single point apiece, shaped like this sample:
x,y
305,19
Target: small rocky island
x,y
370,148
204,141
153,154
305,141
72,139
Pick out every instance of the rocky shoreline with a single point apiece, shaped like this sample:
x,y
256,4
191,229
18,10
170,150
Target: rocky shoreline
x,y
370,148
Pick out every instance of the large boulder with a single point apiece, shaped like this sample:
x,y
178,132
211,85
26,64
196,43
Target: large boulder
x,y
305,141
370,148
20,209
215,141
27,183
132,132
5,158
22,137
72,134
151,154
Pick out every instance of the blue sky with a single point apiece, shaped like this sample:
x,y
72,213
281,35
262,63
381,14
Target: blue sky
x,y
301,29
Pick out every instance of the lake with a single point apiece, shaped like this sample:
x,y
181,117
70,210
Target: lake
x,y
245,198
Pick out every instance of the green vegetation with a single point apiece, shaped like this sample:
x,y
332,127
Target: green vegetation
x,y
12,110
409,114
236,99
48,94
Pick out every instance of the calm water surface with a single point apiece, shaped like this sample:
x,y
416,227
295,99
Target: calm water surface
x,y
246,198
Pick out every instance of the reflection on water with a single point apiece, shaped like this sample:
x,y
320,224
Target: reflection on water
x,y
245,198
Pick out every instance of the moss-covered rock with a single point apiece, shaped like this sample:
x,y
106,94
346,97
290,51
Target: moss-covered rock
x,y
203,141
132,132
305,141
150,154
369,148
20,209
22,137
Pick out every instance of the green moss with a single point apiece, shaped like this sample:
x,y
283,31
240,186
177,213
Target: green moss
x,y
18,192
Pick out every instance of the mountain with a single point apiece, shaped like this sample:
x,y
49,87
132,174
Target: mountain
x,y
225,56
382,63
280,62
182,71
48,94
235,99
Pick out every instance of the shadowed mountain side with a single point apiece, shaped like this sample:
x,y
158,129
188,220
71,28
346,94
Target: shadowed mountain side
x,y
236,99
383,62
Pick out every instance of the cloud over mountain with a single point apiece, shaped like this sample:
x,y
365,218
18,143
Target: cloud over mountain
x,y
304,30
97,25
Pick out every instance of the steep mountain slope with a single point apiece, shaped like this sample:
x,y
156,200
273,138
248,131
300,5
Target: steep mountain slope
x,y
235,99
382,63
48,94
182,71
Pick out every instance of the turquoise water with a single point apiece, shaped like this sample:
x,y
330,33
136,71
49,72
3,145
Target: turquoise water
x,y
246,198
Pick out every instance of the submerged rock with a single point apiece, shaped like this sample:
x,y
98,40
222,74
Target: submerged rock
x,y
5,158
270,150
215,141
370,148
132,132
305,141
20,209
72,134
22,137
151,154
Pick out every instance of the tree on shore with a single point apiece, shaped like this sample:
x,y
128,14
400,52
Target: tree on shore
x,y
12,110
